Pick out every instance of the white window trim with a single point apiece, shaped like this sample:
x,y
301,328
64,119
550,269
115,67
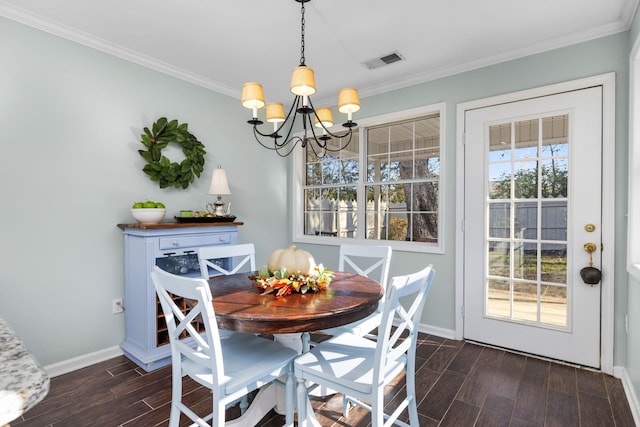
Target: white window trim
x,y
633,213
607,81
298,175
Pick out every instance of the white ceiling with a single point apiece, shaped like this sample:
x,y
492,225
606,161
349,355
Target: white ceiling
x,y
222,44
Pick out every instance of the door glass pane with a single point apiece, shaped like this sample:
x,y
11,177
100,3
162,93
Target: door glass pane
x,y
500,219
553,305
553,263
525,222
500,180
500,142
527,181
525,301
499,259
554,220
555,178
526,139
498,298
525,261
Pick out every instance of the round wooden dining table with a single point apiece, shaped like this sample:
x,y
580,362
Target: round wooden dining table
x,y
240,306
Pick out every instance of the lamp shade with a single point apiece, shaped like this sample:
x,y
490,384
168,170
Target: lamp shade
x,y
275,112
325,117
219,182
252,95
348,101
303,82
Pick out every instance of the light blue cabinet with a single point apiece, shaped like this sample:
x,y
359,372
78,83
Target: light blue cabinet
x,y
173,248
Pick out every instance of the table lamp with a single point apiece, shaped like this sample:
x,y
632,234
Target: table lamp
x,y
220,188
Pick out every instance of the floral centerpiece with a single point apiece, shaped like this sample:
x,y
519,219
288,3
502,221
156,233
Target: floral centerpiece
x,y
283,283
292,270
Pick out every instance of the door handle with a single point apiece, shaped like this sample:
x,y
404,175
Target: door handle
x,y
590,275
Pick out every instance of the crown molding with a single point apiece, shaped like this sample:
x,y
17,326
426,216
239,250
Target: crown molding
x,y
532,49
118,51
27,18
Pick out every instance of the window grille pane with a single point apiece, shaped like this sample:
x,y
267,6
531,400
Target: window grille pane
x,y
401,194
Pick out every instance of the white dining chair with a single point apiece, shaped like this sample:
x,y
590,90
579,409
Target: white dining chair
x,y
231,368
209,256
245,260
365,260
360,368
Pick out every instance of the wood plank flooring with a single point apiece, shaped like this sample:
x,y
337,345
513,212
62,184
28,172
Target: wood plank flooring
x,y
458,384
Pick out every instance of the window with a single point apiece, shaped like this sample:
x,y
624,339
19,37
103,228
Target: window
x,y
385,186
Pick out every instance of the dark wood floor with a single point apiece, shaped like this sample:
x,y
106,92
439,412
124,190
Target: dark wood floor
x,y
458,384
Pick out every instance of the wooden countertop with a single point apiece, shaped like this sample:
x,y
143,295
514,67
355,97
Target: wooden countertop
x,y
164,225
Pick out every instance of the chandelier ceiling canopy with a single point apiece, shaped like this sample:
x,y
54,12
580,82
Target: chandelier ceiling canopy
x,y
315,123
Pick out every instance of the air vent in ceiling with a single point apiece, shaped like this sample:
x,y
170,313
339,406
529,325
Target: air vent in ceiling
x,y
383,60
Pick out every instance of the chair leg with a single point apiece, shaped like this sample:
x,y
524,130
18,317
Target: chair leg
x,y
377,409
346,405
290,398
219,412
411,395
302,402
176,396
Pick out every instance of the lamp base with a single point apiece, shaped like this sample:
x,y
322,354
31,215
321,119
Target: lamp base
x,y
218,208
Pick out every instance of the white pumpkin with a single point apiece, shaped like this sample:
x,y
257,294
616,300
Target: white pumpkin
x,y
292,259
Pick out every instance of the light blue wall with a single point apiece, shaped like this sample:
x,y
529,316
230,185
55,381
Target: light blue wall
x,y
71,119
587,59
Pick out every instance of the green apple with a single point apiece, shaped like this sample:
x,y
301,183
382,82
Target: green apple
x,y
149,204
160,205
137,205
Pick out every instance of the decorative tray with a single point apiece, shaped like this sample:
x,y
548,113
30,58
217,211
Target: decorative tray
x,y
205,219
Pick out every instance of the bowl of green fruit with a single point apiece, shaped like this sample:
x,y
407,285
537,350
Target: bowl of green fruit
x,y
148,212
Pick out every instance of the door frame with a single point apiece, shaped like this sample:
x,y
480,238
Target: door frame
x,y
607,81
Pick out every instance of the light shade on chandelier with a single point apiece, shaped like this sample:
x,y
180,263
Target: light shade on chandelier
x,y
315,122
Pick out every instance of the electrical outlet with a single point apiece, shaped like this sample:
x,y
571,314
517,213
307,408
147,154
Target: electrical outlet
x,y
116,306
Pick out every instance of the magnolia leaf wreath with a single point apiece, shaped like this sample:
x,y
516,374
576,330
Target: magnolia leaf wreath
x,y
159,167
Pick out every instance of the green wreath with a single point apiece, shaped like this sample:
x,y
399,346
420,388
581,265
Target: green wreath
x,y
160,168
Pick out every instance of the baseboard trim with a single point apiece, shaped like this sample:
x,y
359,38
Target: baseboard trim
x,y
75,363
437,331
621,373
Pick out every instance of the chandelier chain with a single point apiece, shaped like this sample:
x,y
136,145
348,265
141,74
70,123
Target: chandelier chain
x,y
302,58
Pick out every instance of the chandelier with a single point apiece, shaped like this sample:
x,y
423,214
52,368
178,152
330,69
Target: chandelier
x,y
315,122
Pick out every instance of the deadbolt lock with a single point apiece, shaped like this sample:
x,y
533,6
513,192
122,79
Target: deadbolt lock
x,y
590,228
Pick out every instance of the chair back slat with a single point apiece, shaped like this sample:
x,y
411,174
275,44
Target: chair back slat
x,y
244,254
195,306
364,259
398,331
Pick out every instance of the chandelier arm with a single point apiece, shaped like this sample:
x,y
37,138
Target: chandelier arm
x,y
342,147
279,128
279,147
256,132
293,141
333,135
294,106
